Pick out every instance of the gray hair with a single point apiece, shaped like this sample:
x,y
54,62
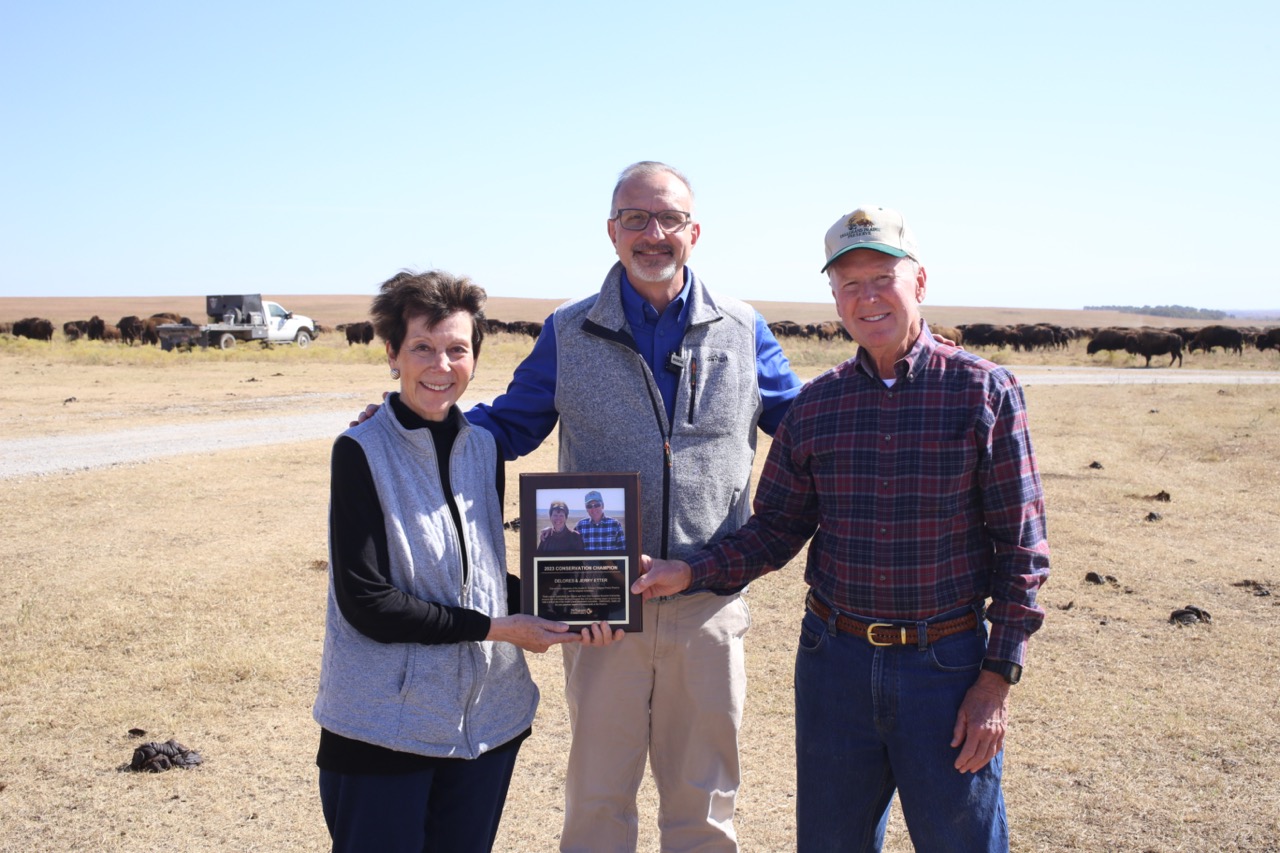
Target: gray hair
x,y
646,169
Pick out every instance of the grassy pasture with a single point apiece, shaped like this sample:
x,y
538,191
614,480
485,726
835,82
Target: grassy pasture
x,y
185,596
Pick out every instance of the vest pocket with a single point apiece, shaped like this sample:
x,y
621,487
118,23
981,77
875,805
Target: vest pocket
x,y
711,385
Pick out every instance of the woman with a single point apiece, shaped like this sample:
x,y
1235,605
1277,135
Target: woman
x,y
424,695
558,537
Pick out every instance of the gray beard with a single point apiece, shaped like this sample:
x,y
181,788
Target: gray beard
x,y
660,276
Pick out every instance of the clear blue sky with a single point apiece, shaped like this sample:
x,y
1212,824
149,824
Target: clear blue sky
x,y
1047,155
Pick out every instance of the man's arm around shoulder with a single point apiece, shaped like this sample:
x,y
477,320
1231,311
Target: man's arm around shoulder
x,y
523,416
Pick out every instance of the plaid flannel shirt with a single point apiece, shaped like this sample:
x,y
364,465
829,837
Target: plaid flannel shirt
x,y
920,498
606,535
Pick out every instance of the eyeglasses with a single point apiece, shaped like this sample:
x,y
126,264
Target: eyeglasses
x,y
593,504
670,221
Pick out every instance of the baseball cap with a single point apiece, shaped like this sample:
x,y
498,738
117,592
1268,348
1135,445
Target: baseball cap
x,y
870,227
592,496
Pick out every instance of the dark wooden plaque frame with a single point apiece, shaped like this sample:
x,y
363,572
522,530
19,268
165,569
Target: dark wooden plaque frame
x,y
581,586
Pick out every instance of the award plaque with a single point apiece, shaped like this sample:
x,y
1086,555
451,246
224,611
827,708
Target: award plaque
x,y
580,548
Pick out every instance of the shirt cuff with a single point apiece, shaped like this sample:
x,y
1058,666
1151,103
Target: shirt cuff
x,y
1008,644
702,570
474,626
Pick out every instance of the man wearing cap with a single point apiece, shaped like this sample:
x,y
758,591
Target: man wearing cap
x,y
911,466
598,532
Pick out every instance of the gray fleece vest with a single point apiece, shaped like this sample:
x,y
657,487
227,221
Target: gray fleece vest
x,y
455,700
695,470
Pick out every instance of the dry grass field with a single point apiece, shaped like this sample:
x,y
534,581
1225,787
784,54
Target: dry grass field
x,y
185,596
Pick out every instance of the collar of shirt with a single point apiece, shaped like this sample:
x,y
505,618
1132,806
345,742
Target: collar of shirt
x,y
657,336
907,367
640,313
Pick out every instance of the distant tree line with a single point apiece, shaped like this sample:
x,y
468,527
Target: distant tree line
x,y
1183,311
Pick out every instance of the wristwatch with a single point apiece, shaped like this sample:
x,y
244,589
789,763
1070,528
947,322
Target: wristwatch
x,y
1009,671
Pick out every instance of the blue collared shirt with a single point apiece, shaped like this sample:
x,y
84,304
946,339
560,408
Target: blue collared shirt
x,y
522,417
657,335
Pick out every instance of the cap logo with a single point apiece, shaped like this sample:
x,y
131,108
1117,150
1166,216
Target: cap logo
x,y
859,219
859,225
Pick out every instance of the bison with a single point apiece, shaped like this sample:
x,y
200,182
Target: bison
x,y
525,327
987,335
1218,336
359,333
1270,339
1149,342
130,328
1040,336
1111,339
831,330
786,329
35,328
951,333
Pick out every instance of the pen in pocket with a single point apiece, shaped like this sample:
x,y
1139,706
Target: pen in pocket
x,y
693,386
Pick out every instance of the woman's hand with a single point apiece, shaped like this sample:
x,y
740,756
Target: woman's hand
x,y
531,633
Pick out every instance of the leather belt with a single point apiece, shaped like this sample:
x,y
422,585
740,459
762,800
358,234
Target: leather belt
x,y
888,633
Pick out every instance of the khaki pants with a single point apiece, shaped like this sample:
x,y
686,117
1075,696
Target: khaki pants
x,y
673,693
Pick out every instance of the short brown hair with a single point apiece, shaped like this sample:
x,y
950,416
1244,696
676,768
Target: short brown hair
x,y
435,295
558,505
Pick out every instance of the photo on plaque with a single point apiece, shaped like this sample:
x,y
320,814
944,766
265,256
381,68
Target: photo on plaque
x,y
580,548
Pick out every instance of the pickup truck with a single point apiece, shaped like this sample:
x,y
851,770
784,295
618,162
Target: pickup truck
x,y
241,317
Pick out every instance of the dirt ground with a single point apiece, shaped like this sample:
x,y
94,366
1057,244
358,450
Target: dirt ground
x,y
185,596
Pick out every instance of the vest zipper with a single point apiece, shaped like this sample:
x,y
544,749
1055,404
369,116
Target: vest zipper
x,y
469,650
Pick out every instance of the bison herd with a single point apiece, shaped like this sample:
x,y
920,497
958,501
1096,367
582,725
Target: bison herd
x,y
1144,341
362,332
1140,341
1172,342
131,329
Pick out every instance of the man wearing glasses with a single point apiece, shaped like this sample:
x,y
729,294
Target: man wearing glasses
x,y
655,374
598,532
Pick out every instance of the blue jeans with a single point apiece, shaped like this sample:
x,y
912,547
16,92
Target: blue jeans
x,y
454,808
870,720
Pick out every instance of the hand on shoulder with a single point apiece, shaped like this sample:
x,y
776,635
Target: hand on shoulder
x,y
369,411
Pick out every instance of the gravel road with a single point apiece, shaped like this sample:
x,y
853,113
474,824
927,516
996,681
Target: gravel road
x,y
70,453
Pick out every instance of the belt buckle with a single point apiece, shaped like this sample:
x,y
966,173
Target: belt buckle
x,y
872,640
